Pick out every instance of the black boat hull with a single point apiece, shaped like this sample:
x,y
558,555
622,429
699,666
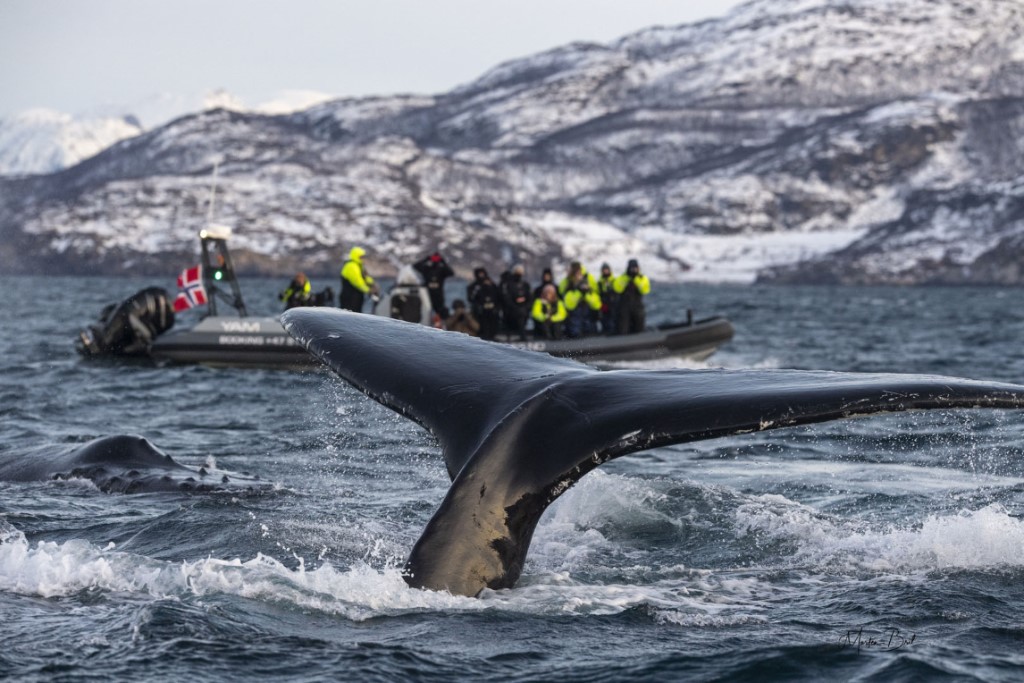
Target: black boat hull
x,y
232,342
263,342
695,341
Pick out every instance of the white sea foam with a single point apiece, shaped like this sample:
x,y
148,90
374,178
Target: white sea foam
x,y
988,537
49,569
570,549
693,598
566,544
361,592
853,477
569,542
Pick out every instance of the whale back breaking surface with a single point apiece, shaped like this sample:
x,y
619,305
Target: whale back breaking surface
x,y
518,428
123,463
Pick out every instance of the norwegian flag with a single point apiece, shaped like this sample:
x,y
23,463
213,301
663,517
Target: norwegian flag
x,y
192,293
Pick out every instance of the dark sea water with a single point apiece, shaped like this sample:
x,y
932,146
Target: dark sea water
x,y
884,548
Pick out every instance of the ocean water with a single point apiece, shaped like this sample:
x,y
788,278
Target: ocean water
x,y
884,548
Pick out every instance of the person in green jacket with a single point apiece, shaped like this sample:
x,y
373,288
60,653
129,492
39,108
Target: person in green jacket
x,y
582,300
548,314
632,286
355,283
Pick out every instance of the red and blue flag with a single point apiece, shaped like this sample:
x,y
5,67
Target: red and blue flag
x,y
192,293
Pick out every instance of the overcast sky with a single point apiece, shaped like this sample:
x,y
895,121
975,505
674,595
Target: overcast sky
x,y
77,55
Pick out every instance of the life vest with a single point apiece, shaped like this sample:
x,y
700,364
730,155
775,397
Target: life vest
x,y
353,275
301,292
542,310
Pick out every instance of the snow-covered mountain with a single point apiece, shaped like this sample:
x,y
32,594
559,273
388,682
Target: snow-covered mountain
x,y
795,140
44,141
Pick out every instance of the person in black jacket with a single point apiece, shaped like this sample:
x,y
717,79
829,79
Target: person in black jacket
x,y
546,278
516,301
609,300
435,270
485,299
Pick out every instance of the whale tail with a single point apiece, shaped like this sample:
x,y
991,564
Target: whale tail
x,y
518,428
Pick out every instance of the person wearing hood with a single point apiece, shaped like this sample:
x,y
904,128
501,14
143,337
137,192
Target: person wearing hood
x,y
578,290
462,320
407,300
516,301
355,283
632,286
546,278
435,270
484,300
609,300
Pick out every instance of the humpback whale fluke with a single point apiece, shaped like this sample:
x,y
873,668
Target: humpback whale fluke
x,y
123,463
518,428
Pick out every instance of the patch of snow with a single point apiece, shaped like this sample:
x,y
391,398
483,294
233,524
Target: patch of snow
x,y
885,206
291,101
739,258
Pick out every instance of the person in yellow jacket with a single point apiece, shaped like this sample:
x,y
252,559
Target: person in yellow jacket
x,y
632,286
582,300
548,314
355,283
576,278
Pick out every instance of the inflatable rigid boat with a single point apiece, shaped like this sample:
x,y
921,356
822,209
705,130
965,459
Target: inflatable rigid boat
x,y
142,326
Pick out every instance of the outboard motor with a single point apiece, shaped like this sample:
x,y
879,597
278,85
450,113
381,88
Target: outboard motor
x,y
128,328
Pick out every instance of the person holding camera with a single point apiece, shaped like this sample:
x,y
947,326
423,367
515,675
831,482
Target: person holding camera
x,y
582,300
435,270
485,299
462,320
548,314
632,286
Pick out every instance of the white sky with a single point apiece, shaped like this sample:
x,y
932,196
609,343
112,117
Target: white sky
x,y
78,55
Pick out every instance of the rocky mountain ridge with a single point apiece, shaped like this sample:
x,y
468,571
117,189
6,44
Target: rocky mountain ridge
x,y
44,140
849,141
